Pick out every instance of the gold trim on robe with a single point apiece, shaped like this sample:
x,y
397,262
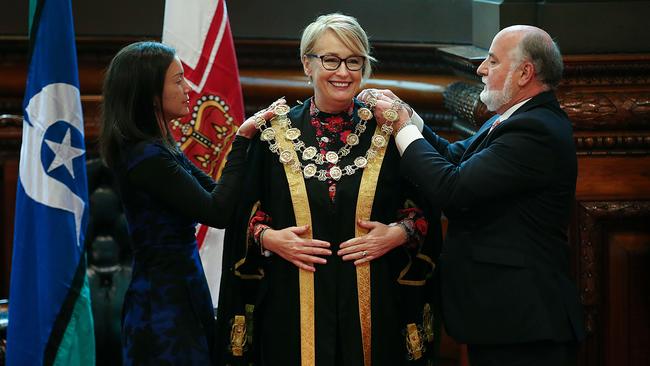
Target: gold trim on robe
x,y
303,217
365,201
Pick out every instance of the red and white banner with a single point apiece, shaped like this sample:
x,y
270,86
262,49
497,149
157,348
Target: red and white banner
x,y
200,33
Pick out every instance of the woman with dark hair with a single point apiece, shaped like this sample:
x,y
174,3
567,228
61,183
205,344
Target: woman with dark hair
x,y
168,315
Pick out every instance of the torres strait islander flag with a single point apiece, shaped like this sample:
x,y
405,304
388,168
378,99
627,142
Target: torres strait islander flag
x,y
50,319
200,33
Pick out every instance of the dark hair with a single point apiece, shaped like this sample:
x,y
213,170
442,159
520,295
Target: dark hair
x,y
132,90
545,54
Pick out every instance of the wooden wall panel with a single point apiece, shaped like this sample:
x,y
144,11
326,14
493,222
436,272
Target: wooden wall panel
x,y
627,331
621,177
613,267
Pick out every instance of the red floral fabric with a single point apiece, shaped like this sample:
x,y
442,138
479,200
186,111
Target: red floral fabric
x,y
257,223
332,131
416,226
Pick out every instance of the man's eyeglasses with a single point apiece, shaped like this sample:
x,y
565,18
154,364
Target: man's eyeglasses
x,y
332,63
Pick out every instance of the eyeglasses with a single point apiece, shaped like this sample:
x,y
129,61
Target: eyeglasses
x,y
332,63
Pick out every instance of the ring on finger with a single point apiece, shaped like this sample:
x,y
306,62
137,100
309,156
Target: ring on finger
x,y
364,253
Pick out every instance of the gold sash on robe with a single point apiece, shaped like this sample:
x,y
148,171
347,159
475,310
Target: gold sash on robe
x,y
306,279
365,201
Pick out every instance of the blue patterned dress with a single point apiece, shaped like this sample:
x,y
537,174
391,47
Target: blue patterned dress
x,y
168,316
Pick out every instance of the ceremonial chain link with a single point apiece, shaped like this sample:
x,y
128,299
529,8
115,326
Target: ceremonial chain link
x,y
310,153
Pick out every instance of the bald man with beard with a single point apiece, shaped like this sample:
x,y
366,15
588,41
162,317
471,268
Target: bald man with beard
x,y
507,192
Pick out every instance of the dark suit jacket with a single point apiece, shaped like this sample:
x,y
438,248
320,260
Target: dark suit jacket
x,y
508,196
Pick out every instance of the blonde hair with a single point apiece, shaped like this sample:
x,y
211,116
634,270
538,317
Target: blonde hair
x,y
347,29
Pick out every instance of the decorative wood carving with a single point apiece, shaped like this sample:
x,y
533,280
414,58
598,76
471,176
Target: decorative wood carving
x,y
588,110
625,114
594,220
622,144
617,109
463,100
623,69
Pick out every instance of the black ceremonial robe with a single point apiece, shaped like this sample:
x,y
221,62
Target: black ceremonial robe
x,y
259,305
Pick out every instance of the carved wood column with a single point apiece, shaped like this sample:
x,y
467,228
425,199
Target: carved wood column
x,y
613,267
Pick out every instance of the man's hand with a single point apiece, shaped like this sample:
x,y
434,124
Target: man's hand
x,y
388,108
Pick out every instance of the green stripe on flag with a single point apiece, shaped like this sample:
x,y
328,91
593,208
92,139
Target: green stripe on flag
x,y
32,10
77,347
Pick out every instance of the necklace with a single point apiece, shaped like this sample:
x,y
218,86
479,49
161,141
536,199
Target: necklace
x,y
310,153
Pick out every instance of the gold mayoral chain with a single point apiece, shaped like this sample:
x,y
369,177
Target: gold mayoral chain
x,y
269,134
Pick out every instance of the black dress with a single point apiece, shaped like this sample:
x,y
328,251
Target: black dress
x,y
266,292
168,317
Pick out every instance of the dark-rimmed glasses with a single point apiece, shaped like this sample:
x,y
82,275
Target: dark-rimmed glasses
x,y
332,63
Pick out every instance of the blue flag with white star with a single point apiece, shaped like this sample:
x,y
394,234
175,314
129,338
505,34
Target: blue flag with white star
x,y
50,319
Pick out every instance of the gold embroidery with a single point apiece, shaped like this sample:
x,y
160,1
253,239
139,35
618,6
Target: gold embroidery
x,y
400,279
421,282
427,322
238,335
303,217
260,272
414,344
364,209
249,323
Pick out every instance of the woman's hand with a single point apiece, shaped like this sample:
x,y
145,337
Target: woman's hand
x,y
380,239
288,244
248,129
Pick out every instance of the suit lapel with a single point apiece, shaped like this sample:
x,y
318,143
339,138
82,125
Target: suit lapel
x,y
478,139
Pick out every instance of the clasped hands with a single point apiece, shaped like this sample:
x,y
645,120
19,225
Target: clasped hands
x,y
388,108
305,253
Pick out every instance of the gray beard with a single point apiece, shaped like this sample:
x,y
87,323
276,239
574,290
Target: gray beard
x,y
495,99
